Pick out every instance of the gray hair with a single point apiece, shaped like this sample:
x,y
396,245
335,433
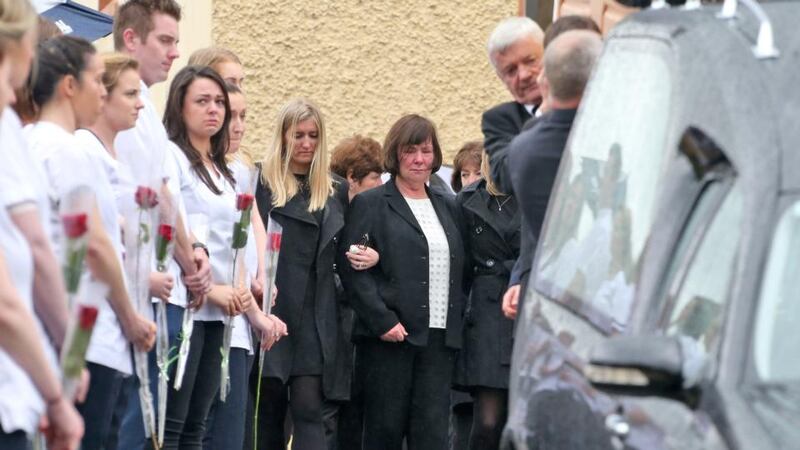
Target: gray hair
x,y
568,63
509,31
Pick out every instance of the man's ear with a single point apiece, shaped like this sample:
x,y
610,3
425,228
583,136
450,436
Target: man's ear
x,y
130,39
350,179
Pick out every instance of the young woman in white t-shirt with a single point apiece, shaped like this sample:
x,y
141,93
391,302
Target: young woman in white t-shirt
x,y
69,92
227,421
197,118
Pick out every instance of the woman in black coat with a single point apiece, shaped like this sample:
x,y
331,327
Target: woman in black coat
x,y
409,306
298,192
492,220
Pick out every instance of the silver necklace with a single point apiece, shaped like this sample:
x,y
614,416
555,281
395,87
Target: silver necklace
x,y
500,205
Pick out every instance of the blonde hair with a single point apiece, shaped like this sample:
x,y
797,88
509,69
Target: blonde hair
x,y
116,64
487,175
17,17
212,56
276,174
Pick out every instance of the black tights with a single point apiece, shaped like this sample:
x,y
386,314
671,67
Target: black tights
x,y
302,395
488,418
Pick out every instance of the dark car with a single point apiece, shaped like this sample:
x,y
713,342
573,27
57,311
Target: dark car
x,y
670,256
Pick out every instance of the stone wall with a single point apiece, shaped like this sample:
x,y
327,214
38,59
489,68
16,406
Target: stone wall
x,y
365,62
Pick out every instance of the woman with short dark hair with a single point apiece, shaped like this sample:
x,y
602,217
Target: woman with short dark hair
x,y
408,306
358,160
467,165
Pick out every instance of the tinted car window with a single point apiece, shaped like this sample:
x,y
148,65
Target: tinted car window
x,y
601,210
777,331
698,308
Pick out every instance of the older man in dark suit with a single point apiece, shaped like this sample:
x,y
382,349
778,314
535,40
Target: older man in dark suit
x,y
515,50
534,155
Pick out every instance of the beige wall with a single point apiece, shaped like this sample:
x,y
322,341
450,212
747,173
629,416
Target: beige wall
x,y
365,62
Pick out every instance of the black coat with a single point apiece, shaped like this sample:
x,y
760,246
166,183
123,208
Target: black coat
x,y
396,290
304,243
494,243
500,125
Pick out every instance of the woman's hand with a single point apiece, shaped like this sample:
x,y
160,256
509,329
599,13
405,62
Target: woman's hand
x,y
140,331
362,257
225,297
396,334
246,300
62,426
272,329
161,285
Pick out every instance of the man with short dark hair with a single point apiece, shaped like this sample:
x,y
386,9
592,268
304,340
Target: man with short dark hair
x,y
148,31
535,154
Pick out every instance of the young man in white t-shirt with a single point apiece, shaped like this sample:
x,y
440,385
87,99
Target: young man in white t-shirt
x,y
148,31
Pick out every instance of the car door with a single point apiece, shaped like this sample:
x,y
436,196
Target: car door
x,y
696,290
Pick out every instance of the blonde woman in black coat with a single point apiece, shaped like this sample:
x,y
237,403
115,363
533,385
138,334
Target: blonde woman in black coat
x,y
300,371
409,306
492,220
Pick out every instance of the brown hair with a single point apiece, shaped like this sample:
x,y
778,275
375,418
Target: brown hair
x,y
468,153
358,155
116,64
212,56
177,132
24,106
138,16
410,130
568,23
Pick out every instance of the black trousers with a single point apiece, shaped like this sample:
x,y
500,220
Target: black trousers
x,y
407,393
16,440
188,408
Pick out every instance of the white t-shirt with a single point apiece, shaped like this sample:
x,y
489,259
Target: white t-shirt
x,y
241,336
20,402
438,260
220,211
22,178
69,165
144,156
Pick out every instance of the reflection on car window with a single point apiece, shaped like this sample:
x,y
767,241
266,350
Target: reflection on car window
x,y
603,202
777,334
698,309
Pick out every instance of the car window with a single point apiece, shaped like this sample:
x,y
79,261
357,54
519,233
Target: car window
x,y
600,214
698,306
777,330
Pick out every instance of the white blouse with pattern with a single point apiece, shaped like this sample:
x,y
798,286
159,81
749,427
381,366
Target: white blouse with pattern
x,y
438,260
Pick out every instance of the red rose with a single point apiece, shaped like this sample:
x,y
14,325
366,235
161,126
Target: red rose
x,y
244,201
275,241
75,225
146,198
87,315
165,231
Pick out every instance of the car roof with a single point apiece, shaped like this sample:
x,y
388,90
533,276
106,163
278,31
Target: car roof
x,y
746,105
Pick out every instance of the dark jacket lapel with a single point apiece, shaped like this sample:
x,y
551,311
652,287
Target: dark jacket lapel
x,y
399,204
477,202
296,209
332,222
